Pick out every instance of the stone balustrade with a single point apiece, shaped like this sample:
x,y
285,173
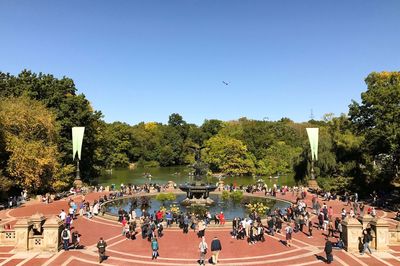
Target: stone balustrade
x,y
37,234
7,237
382,237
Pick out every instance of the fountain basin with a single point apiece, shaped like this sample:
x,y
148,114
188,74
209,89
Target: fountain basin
x,y
230,209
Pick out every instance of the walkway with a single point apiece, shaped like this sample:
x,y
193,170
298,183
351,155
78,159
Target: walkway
x,y
181,249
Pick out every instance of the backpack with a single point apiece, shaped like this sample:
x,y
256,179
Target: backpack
x,y
65,233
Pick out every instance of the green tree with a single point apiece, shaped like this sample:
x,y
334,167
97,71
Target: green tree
x,y
71,110
229,156
278,158
378,118
211,128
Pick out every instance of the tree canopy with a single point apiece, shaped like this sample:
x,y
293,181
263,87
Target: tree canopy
x,y
37,112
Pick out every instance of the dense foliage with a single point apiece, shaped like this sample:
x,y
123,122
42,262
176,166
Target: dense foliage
x,y
38,111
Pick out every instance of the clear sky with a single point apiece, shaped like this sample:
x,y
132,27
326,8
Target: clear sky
x,y
143,60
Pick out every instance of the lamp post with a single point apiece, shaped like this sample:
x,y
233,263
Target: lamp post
x,y
77,139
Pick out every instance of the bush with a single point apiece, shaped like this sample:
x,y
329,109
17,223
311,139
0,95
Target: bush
x,y
165,197
338,184
225,195
198,210
236,196
258,207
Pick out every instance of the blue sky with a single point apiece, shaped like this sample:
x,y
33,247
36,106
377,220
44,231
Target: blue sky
x,y
143,60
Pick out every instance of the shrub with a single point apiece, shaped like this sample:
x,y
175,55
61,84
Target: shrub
x,y
236,196
258,207
225,195
198,209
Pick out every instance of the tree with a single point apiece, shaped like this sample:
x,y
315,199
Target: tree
x,y
229,156
378,118
30,131
211,128
278,158
71,110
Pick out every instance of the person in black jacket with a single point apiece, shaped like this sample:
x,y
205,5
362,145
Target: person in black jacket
x,y
215,249
101,246
366,239
328,251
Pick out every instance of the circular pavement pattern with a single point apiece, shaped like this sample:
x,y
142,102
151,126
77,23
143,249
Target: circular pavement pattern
x,y
177,248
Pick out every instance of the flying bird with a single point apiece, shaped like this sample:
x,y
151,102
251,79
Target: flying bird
x,y
226,83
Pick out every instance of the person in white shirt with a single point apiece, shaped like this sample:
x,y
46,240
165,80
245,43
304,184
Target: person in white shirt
x,y
289,232
62,215
203,250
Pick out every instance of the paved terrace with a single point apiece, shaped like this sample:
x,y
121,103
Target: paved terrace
x,y
177,248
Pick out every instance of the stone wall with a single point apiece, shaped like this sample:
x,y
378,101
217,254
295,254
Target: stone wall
x,y
394,235
37,234
382,237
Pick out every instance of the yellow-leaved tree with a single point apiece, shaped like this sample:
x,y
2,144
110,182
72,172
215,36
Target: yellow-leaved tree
x,y
30,155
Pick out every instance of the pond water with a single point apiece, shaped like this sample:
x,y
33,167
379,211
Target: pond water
x,y
230,209
179,175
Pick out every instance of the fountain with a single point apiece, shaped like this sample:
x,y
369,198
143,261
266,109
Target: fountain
x,y
198,193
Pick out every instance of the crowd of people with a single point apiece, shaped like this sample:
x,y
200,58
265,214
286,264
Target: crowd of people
x,y
297,218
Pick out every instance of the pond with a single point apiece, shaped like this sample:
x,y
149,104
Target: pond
x,y
230,209
179,175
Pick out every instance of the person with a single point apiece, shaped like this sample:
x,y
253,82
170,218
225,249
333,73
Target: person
x,y
203,251
160,229
215,249
222,219
289,232
75,239
339,244
101,246
373,212
62,215
154,248
202,228
330,228
366,239
397,218
65,236
310,228
328,251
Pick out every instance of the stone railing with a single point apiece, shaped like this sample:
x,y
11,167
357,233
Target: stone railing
x,y
381,235
36,243
394,235
7,237
36,233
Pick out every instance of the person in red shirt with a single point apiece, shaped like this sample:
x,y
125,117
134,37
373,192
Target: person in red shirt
x,y
222,218
159,216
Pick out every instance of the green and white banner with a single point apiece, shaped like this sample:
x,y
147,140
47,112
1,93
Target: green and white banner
x,y
313,138
77,139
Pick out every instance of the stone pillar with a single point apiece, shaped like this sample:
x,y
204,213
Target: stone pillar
x,y
22,228
51,234
381,230
352,231
365,220
398,231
